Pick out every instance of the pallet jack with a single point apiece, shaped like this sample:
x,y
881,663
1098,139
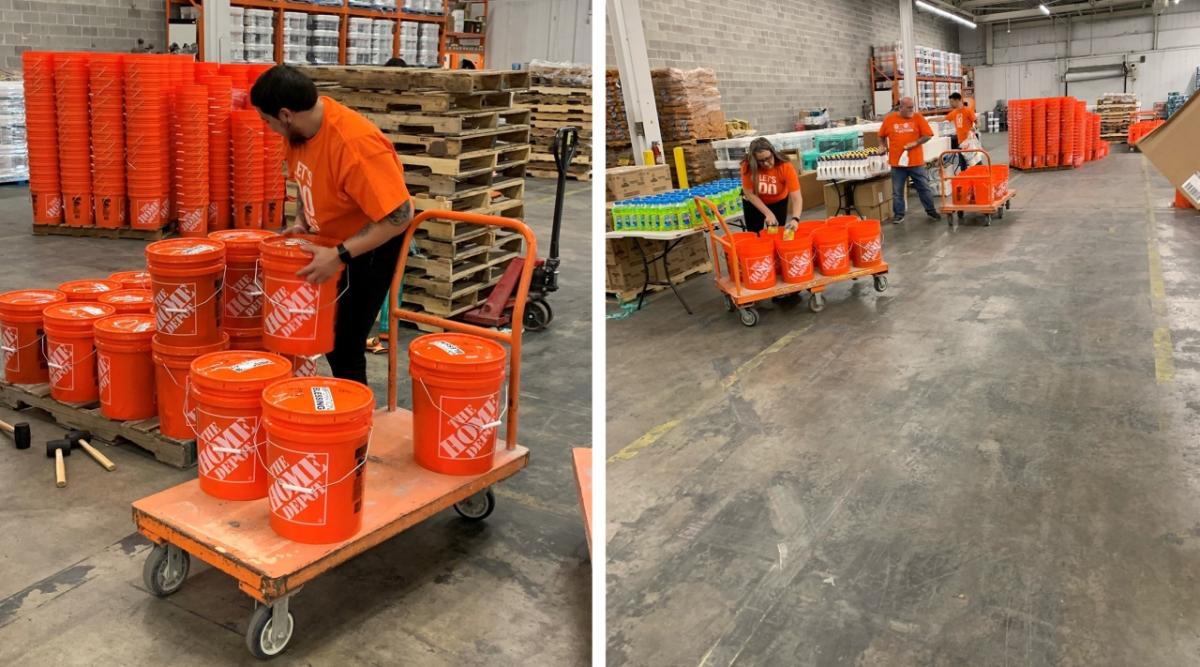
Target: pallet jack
x,y
496,311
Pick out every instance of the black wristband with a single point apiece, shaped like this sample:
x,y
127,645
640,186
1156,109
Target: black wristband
x,y
344,254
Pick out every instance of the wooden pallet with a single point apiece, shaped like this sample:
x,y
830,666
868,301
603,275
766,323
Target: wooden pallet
x,y
392,78
409,144
515,116
584,176
446,307
547,157
454,270
104,233
464,244
582,108
476,122
462,165
479,200
561,91
632,293
143,434
424,181
428,102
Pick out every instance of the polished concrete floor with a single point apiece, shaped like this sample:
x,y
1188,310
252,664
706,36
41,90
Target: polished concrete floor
x,y
992,463
515,590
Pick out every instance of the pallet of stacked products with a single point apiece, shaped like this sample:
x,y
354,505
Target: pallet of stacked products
x,y
14,157
1115,111
560,95
465,147
689,117
616,130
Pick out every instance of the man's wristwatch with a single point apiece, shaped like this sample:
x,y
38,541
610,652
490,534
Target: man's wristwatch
x,y
344,254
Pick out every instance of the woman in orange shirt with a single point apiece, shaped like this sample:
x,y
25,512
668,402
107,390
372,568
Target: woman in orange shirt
x,y
770,187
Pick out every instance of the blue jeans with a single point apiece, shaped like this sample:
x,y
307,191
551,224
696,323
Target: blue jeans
x,y
917,174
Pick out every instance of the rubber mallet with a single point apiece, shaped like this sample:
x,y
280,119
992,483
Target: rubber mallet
x,y
19,433
80,439
57,449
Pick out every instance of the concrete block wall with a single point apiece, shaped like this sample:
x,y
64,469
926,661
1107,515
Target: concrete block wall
x,y
97,25
773,58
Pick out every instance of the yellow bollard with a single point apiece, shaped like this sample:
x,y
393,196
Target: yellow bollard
x,y
681,168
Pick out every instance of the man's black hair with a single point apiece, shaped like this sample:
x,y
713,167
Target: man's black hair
x,y
283,87
956,96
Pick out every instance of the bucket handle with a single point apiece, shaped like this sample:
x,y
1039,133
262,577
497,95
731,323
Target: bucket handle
x,y
314,490
492,425
10,350
192,310
46,353
302,311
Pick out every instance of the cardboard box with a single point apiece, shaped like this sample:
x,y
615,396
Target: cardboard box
x,y
636,181
872,140
867,194
811,189
1172,149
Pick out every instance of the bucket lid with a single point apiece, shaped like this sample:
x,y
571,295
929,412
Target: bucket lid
x,y
242,240
89,286
189,351
863,228
239,371
830,234
30,300
124,277
185,251
128,296
77,312
318,400
458,352
126,327
289,247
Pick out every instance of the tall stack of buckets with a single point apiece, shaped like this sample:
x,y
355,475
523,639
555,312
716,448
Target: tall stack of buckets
x,y
1053,132
157,153
829,247
210,338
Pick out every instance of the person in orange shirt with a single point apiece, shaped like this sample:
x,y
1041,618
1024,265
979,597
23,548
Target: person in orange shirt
x,y
352,197
964,124
905,131
770,187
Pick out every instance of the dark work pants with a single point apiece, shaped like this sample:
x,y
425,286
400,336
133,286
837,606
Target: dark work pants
x,y
370,277
755,220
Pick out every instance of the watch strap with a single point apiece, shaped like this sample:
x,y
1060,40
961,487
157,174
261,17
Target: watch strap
x,y
343,253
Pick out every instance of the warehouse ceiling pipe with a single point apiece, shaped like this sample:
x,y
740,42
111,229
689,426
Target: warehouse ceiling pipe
x,y
921,4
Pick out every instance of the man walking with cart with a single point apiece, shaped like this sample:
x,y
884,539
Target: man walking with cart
x,y
352,197
905,131
963,118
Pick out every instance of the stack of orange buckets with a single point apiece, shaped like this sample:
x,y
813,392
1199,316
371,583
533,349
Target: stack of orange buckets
x,y
220,108
1053,132
74,137
274,188
41,131
192,111
108,139
247,169
146,81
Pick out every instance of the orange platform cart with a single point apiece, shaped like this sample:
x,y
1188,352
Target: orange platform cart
x,y
982,189
235,537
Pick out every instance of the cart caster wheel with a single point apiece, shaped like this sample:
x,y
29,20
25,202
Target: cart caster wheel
x,y
1000,213
817,303
749,316
987,220
960,215
1008,204
478,507
537,315
950,220
165,570
260,636
881,283
728,303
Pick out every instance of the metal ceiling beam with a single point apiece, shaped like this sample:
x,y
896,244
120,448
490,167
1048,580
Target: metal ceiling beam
x,y
1058,10
988,4
952,8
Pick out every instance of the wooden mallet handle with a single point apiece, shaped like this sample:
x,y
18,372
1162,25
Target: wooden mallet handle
x,y
95,453
60,470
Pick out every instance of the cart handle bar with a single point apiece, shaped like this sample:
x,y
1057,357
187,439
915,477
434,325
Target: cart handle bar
x,y
725,242
513,338
956,151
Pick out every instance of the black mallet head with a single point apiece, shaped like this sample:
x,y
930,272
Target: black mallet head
x,y
21,436
58,445
75,436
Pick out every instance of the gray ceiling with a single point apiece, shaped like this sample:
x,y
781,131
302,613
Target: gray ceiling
x,y
991,11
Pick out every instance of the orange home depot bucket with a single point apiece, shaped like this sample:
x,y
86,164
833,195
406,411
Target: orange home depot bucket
x,y
21,332
795,258
833,255
297,317
87,291
132,279
125,366
245,339
226,395
130,301
756,262
304,366
171,366
241,302
866,244
186,276
71,350
843,221
318,433
456,401
47,207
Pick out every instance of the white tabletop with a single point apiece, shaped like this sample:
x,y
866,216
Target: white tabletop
x,y
654,236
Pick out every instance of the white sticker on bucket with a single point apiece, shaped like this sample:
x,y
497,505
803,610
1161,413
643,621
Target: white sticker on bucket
x,y
249,364
1191,187
92,310
323,399
143,327
449,348
197,249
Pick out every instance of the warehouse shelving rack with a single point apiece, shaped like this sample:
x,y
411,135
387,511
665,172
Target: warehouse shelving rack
x,y
345,11
454,51
878,74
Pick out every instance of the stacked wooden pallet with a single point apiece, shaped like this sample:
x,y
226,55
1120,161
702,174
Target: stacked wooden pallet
x,y
465,147
560,96
616,131
1116,111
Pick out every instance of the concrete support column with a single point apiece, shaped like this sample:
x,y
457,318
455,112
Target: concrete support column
x,y
909,44
216,31
629,43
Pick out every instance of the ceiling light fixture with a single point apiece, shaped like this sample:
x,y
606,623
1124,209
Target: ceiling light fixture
x,y
1045,10
944,14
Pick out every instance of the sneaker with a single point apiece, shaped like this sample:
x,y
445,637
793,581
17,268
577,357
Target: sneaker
x,y
934,215
898,219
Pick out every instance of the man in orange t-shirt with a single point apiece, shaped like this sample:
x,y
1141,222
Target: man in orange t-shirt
x,y
352,197
964,124
770,187
905,131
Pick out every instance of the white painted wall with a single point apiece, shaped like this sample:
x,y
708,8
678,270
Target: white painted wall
x,y
522,30
1029,59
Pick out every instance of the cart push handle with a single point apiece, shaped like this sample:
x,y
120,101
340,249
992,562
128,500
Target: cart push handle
x,y
958,151
725,241
512,338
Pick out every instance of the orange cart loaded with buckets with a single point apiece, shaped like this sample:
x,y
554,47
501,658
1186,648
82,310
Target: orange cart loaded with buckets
x,y
377,482
981,189
839,249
